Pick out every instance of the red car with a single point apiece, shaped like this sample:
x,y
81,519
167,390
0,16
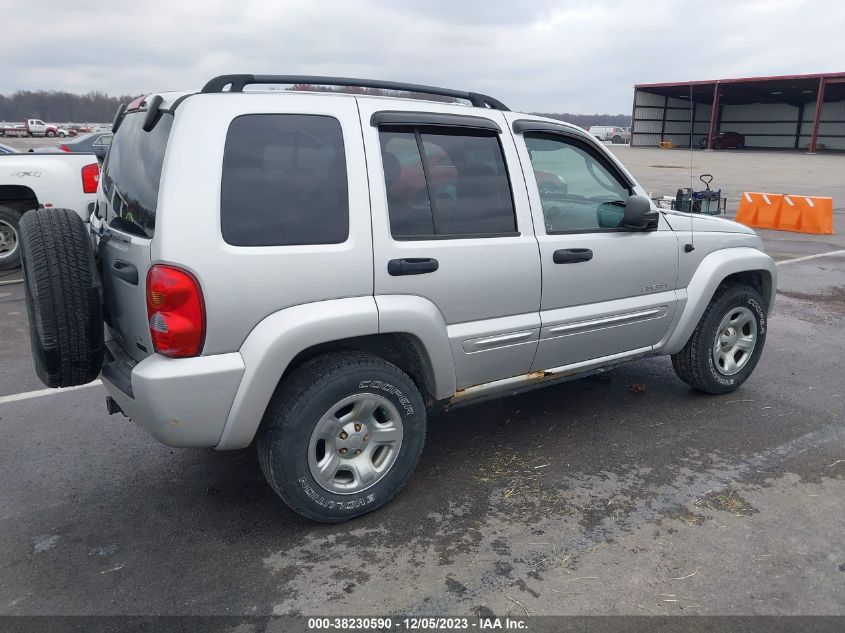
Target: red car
x,y
725,140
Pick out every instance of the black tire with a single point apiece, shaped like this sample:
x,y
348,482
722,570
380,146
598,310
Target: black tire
x,y
10,239
695,365
50,134
717,144
62,297
740,144
302,399
616,140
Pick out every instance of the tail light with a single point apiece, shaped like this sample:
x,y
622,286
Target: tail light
x,y
64,147
176,311
90,177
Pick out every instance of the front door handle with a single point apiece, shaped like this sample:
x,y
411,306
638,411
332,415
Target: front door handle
x,y
126,271
572,255
412,266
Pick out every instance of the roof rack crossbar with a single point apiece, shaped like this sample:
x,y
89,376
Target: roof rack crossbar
x,y
237,83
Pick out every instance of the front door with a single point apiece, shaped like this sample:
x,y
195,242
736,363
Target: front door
x,y
607,291
452,225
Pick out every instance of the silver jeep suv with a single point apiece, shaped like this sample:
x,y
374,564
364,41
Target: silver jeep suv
x,y
315,271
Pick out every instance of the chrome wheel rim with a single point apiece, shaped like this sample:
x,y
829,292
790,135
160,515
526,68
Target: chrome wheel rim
x,y
355,443
8,240
735,341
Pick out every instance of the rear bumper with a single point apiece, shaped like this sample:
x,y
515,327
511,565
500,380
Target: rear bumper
x,y
179,401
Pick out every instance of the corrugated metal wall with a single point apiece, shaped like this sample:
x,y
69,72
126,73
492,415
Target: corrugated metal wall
x,y
764,125
831,128
659,118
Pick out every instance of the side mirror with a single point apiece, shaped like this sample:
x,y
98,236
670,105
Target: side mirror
x,y
639,215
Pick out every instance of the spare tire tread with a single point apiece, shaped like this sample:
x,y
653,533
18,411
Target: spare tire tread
x,y
63,298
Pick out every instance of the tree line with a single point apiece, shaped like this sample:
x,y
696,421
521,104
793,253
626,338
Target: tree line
x,y
97,107
586,121
55,106
581,120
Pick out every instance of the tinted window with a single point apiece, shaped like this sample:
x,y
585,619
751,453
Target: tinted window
x,y
284,181
404,179
132,173
578,191
458,186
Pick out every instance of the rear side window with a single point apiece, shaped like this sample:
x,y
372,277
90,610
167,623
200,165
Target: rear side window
x,y
284,181
132,173
446,183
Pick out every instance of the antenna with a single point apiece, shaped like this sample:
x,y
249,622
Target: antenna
x,y
690,247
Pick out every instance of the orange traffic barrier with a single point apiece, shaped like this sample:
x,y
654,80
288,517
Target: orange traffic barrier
x,y
786,212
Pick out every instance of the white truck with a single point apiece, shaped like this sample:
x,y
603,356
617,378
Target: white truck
x,y
36,181
33,127
610,133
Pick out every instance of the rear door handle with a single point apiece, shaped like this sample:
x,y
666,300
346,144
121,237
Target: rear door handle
x,y
127,271
412,266
572,255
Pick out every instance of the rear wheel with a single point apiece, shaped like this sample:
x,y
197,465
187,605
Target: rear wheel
x,y
727,342
62,297
341,436
10,243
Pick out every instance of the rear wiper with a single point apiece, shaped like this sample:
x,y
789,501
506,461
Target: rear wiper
x,y
127,226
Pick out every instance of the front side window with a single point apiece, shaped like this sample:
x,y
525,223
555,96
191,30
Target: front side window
x,y
284,181
578,191
446,183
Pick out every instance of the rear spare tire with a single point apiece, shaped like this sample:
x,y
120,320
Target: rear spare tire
x,y
62,297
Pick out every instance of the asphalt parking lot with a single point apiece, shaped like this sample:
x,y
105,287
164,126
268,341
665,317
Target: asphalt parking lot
x,y
626,493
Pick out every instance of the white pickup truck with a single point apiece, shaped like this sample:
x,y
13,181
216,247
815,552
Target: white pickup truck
x,y
33,127
34,181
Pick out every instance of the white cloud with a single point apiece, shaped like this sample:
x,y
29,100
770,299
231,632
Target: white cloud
x,y
542,55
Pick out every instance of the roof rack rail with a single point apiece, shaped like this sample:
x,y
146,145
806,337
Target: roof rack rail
x,y
237,83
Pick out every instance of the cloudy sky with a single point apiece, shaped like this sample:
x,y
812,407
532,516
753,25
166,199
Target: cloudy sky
x,y
535,55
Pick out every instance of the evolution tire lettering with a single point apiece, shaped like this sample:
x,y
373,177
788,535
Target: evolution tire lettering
x,y
321,501
385,386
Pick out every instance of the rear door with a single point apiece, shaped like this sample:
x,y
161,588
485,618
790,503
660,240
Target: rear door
x,y
451,224
126,212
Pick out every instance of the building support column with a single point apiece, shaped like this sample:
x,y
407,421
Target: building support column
x,y
633,117
811,149
714,115
692,122
799,125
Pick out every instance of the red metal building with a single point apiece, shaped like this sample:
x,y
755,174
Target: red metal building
x,y
788,112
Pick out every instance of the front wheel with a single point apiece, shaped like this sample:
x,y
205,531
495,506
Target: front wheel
x,y
341,436
727,342
50,133
616,140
